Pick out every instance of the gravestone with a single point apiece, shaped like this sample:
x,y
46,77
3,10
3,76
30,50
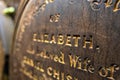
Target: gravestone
x,y
67,40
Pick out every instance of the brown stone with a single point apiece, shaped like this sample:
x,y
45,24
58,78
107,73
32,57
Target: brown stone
x,y
67,40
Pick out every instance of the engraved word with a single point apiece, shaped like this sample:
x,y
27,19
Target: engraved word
x,y
116,7
42,7
81,64
96,4
108,72
67,40
76,62
55,58
54,18
31,63
58,75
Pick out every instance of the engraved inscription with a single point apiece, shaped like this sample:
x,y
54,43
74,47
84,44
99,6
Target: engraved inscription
x,y
90,42
108,72
96,4
80,64
116,7
58,75
60,59
42,7
67,40
54,18
108,3
77,62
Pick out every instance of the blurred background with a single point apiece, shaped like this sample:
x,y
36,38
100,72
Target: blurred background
x,y
8,9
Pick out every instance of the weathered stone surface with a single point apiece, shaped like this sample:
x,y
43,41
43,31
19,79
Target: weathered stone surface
x,y
67,40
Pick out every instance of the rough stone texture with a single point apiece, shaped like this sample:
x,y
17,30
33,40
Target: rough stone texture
x,y
44,41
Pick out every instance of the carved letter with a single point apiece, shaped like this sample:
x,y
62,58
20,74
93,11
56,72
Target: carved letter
x,y
86,63
53,39
56,74
68,41
68,77
103,72
61,59
91,69
73,61
76,40
90,42
112,70
60,39
34,37
108,3
46,38
49,71
116,7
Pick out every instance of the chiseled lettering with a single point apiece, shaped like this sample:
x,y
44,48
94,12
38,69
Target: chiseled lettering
x,y
103,72
68,40
108,3
30,50
108,72
39,67
90,42
61,58
73,61
62,76
76,79
53,39
85,64
68,77
29,74
51,1
116,7
46,38
35,77
91,69
31,63
56,58
56,74
41,38
34,37
51,56
50,71
28,61
79,64
76,39
60,39
112,69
